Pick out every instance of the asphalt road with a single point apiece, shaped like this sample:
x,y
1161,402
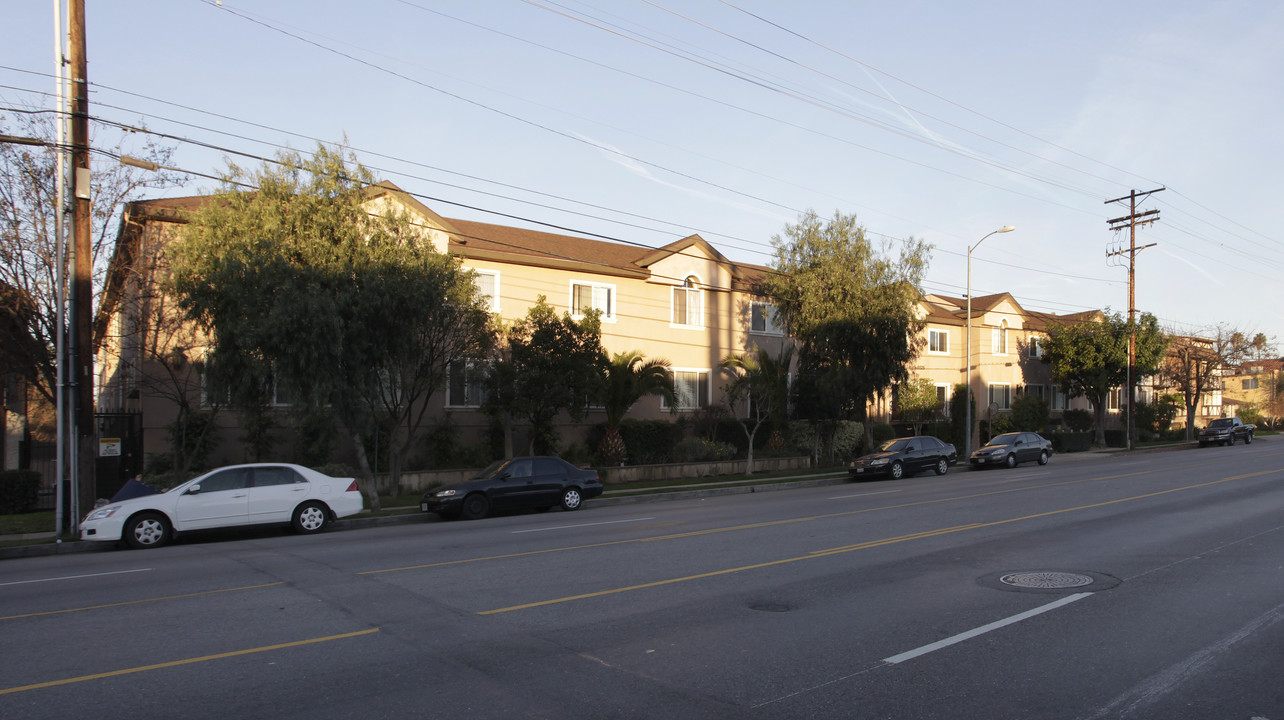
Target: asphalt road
x,y
927,597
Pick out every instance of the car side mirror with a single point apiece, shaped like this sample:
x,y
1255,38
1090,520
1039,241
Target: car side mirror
x,y
910,449
504,476
193,490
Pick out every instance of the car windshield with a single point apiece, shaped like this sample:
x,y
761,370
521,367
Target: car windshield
x,y
894,445
491,469
1004,439
1223,422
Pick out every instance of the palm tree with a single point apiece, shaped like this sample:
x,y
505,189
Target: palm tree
x,y
762,382
628,378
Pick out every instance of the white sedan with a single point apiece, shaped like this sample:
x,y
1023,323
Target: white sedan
x,y
257,494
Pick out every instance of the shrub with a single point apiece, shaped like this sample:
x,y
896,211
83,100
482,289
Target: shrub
x,y
1249,413
695,449
650,441
847,439
1077,420
882,432
1068,442
18,491
1029,413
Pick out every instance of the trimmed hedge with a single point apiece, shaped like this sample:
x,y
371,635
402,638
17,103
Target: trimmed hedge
x,y
19,490
1068,442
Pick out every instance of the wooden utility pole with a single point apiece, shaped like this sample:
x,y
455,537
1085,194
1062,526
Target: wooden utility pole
x,y
1131,221
82,294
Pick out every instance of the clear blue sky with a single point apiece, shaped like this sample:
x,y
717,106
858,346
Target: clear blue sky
x,y
647,121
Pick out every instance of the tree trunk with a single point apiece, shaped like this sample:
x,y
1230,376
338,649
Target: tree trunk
x,y
1190,422
612,450
1099,433
369,486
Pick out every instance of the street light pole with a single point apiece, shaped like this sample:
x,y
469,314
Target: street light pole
x,y
967,443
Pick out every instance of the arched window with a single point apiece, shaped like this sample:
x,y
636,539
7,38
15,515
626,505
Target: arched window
x,y
999,338
688,303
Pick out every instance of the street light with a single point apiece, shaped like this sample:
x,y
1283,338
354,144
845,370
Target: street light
x,y
967,443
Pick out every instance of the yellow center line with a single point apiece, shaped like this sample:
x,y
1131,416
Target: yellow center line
x,y
751,526
871,544
137,602
189,661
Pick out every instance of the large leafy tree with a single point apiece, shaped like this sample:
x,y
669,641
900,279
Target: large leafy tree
x,y
28,247
305,290
917,402
1090,359
629,377
758,390
1194,365
851,305
547,364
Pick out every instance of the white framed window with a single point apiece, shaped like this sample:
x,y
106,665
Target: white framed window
x,y
938,341
487,282
465,386
764,319
1035,347
692,388
1060,400
587,296
1001,395
999,338
688,304
1249,384
943,398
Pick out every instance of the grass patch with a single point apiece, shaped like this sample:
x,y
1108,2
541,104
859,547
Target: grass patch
x,y
23,523
766,478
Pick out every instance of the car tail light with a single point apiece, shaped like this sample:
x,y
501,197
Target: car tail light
x,y
353,487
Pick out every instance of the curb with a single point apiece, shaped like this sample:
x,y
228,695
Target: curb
x,y
358,523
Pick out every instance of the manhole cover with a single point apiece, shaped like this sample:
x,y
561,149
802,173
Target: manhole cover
x,y
1046,580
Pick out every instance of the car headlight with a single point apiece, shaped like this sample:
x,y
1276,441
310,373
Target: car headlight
x,y
102,513
445,493
879,461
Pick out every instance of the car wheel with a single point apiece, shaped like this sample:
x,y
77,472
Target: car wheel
x,y
146,530
1248,439
942,466
1230,440
309,518
1011,460
476,506
897,471
572,499
1043,458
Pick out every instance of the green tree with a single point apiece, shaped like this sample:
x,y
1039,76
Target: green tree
x,y
851,306
759,383
307,293
629,377
1090,359
917,402
547,364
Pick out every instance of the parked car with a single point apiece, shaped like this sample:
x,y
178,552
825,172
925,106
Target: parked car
x,y
1011,449
256,494
905,456
539,482
1226,431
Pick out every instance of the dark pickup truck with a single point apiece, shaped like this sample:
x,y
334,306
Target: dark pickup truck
x,y
1226,431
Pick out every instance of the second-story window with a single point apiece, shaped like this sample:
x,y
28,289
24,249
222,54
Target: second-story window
x,y
688,303
999,338
938,341
764,319
593,296
1036,347
487,282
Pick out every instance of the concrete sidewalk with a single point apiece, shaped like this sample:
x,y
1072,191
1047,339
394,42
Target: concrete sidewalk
x,y
610,497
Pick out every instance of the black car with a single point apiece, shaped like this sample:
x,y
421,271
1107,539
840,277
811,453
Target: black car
x,y
905,456
527,482
1010,449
